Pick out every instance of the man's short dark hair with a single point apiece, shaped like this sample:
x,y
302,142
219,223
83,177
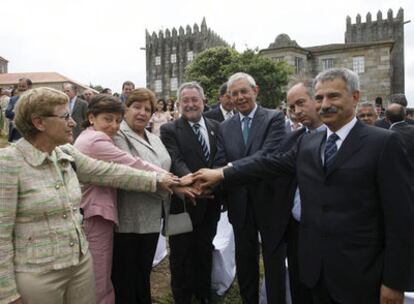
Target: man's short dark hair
x,y
399,98
128,83
223,89
28,81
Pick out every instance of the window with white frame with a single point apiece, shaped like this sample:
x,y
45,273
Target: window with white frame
x,y
158,60
327,64
298,65
190,56
173,58
158,86
173,84
358,64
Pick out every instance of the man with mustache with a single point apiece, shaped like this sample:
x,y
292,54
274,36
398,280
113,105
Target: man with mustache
x,y
356,189
191,142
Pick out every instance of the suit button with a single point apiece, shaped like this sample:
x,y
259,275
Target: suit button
x,y
74,209
64,215
71,244
57,186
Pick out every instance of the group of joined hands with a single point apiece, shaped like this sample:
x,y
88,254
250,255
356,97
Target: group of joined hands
x,y
199,184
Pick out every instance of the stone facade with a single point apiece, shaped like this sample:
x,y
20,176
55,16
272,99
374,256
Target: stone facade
x,y
3,65
374,49
169,52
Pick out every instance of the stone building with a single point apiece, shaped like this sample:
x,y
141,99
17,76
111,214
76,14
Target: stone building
x,y
373,49
3,65
167,55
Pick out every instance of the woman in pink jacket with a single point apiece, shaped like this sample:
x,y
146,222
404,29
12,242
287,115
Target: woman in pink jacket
x,y
99,203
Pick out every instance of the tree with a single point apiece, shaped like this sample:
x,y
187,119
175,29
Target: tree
x,y
213,67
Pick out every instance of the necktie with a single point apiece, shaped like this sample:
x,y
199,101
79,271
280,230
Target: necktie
x,y
246,128
201,140
229,115
330,149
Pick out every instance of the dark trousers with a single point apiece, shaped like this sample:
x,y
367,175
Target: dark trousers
x,y
132,264
190,261
247,262
300,294
320,293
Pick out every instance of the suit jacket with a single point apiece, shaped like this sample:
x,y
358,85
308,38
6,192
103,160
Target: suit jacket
x,y
187,157
407,132
266,132
215,114
14,134
356,223
145,216
79,115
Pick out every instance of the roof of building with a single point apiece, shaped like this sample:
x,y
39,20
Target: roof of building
x,y
2,59
328,47
37,77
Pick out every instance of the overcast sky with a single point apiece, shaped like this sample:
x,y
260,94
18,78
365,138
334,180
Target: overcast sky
x,y
99,41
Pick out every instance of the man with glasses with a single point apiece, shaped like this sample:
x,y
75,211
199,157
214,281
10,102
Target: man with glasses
x,y
191,142
257,207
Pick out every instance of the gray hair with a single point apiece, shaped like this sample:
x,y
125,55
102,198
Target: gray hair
x,y
190,85
241,76
349,77
305,80
366,104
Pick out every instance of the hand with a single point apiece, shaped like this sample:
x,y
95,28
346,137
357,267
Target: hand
x,y
391,296
186,180
189,192
208,178
166,182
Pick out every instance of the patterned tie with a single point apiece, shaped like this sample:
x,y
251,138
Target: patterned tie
x,y
330,149
201,140
246,128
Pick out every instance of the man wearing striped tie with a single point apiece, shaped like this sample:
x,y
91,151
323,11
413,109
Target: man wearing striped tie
x,y
191,142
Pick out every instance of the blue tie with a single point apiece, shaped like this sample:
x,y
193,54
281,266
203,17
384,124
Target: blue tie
x,y
246,128
201,140
330,149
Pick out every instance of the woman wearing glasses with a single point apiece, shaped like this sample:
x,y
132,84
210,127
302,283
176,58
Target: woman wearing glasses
x,y
44,255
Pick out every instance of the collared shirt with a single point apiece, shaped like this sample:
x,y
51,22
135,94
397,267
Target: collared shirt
x,y
203,130
251,115
296,209
397,123
226,114
342,133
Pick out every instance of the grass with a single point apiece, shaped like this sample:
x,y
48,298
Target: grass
x,y
161,291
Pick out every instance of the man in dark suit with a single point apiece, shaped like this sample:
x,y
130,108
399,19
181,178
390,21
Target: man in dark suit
x,y
191,142
77,106
356,189
251,131
395,115
394,98
23,85
225,110
300,101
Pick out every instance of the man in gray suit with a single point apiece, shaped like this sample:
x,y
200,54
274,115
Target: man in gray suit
x,y
77,106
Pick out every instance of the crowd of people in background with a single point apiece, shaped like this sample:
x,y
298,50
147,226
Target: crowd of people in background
x,y
319,183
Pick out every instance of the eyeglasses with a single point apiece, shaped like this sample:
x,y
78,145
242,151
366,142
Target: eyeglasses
x,y
65,116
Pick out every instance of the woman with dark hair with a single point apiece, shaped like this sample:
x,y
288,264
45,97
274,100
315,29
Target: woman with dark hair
x,y
104,116
159,117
